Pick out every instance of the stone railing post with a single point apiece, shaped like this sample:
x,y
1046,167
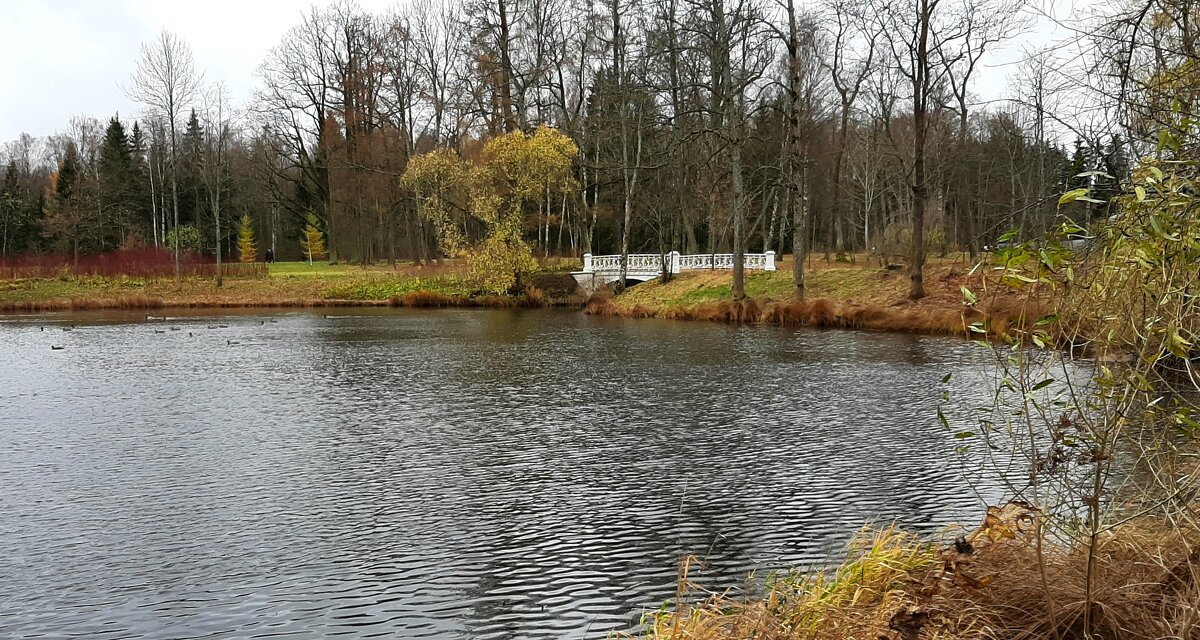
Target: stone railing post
x,y
770,261
674,262
587,262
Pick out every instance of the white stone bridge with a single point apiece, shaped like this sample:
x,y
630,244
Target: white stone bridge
x,y
601,270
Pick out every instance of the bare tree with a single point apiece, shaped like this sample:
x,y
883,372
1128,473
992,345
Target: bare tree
x,y
984,24
802,97
217,137
913,34
166,81
852,52
736,43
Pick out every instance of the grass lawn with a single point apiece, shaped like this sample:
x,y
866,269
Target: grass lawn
x,y
288,283
860,281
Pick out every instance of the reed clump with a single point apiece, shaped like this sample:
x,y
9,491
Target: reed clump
x,y
995,583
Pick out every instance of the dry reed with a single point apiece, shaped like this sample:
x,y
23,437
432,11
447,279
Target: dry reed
x,y
988,585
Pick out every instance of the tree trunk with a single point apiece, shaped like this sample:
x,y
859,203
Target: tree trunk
x,y
797,153
738,289
506,99
175,200
920,190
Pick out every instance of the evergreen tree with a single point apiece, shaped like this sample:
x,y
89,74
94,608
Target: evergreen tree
x,y
1081,162
1112,165
63,182
116,181
139,183
312,243
191,183
247,252
71,202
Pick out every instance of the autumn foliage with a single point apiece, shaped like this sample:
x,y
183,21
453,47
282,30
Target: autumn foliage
x,y
513,179
246,248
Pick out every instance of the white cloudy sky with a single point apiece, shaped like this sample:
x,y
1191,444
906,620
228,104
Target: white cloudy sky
x,y
62,58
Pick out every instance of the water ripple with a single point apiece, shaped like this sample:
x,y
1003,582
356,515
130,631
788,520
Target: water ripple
x,y
444,474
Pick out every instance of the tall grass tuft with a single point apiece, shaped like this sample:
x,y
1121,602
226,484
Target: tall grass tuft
x,y
857,599
991,585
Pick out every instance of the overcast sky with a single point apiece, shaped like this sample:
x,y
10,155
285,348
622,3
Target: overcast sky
x,y
63,58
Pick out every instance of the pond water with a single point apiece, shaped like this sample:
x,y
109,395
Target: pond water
x,y
443,473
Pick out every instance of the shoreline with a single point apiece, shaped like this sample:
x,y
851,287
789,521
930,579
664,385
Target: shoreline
x,y
826,313
822,313
416,299
841,296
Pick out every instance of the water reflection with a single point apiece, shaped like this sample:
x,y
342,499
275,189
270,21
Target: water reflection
x,y
442,474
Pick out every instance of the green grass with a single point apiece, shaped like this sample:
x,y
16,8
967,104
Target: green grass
x,y
700,288
317,270
859,283
35,289
382,288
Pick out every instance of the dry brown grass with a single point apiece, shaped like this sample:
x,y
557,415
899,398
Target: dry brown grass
x,y
845,296
83,304
1144,586
891,586
997,319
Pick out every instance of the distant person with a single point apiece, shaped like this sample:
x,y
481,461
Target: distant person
x,y
269,256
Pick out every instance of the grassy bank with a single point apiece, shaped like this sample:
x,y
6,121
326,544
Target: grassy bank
x,y
294,284
993,582
858,295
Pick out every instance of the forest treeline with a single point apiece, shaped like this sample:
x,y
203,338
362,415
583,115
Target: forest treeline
x,y
694,125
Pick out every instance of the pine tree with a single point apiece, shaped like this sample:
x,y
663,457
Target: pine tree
x,y
247,252
312,243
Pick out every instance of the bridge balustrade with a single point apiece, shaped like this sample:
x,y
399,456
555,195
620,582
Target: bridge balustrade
x,y
645,263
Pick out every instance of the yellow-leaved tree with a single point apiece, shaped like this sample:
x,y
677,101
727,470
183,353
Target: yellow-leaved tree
x,y
247,252
312,243
515,175
441,182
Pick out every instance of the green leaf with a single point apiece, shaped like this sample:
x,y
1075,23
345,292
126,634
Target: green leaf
x,y
1177,344
946,378
1141,193
969,296
963,435
1072,196
1043,384
942,418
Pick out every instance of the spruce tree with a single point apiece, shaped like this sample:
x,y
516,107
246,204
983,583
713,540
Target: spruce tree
x,y
191,182
116,182
139,183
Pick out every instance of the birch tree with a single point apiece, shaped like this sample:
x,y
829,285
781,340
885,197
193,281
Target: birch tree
x,y
165,81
